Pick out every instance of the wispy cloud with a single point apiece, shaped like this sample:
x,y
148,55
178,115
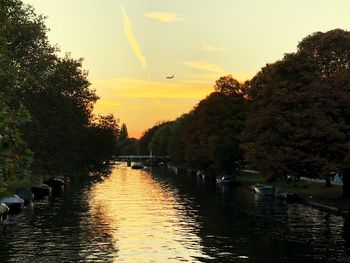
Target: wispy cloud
x,y
165,16
202,65
209,48
132,40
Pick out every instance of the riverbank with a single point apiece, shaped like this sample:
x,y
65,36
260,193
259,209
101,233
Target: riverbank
x,y
9,188
315,194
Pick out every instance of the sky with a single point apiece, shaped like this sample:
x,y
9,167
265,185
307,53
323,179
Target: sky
x,y
130,47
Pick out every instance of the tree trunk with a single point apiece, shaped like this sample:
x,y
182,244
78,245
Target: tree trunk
x,y
346,182
328,181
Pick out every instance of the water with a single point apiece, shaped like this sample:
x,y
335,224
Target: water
x,y
142,216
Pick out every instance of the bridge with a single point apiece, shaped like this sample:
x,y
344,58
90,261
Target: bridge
x,y
142,157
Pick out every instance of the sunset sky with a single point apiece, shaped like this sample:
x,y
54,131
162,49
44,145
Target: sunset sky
x,y
131,46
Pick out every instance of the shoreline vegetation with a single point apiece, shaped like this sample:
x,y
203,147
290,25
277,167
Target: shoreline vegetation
x,y
315,194
307,192
47,127
291,120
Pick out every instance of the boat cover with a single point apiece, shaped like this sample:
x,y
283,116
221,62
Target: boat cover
x,y
15,199
3,208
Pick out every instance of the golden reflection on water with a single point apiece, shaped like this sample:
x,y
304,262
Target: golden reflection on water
x,y
147,221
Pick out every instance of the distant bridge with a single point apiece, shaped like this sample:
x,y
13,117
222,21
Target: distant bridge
x,y
142,157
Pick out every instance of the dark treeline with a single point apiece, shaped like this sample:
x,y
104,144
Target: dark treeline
x,y
46,120
291,119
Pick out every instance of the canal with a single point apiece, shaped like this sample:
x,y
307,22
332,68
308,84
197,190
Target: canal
x,y
155,216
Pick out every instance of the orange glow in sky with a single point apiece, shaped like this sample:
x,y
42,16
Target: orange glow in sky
x,y
131,46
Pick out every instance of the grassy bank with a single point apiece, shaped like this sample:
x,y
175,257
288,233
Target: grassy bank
x,y
301,188
9,188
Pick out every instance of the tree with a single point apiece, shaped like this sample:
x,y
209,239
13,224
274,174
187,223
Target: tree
x,y
54,90
159,143
102,140
228,85
278,139
143,143
15,157
176,140
329,50
298,120
125,145
123,134
61,113
211,135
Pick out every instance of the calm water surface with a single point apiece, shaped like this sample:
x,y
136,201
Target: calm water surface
x,y
142,216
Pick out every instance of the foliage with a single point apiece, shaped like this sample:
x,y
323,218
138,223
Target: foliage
x,y
176,140
61,113
54,90
143,144
298,123
102,140
15,157
212,132
125,145
329,50
159,144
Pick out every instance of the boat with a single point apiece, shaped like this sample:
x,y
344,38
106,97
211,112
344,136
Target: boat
x,y
286,196
199,173
137,166
14,203
56,183
25,194
41,191
3,211
263,189
225,180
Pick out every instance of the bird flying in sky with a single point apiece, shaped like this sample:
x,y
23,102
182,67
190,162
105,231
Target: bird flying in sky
x,y
170,77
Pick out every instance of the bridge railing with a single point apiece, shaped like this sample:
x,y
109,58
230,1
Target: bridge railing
x,y
141,157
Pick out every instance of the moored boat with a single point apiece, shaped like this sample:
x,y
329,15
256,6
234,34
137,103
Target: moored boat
x,y
137,165
263,189
3,211
226,180
56,183
14,203
25,194
286,196
41,191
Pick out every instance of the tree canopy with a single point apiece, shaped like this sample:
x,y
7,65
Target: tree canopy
x,y
298,122
212,133
53,90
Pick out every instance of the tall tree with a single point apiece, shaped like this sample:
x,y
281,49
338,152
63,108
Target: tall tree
x,y
298,123
15,157
212,133
125,145
176,140
143,144
159,144
102,140
54,90
329,50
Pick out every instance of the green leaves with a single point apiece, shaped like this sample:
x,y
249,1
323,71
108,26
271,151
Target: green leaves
x,y
15,157
298,122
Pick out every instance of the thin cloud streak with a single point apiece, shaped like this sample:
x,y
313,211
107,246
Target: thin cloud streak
x,y
202,65
209,48
131,39
165,16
